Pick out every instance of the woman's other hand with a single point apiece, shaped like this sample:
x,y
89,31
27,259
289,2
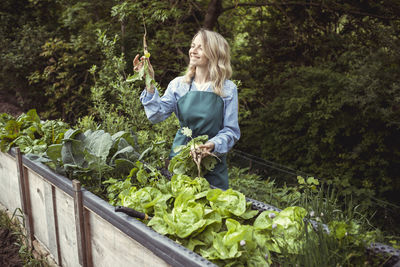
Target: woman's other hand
x,y
207,149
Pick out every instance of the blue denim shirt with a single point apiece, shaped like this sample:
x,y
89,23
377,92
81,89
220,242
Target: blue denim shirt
x,y
159,108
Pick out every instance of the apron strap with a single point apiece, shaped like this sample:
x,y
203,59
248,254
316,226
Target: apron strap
x,y
190,86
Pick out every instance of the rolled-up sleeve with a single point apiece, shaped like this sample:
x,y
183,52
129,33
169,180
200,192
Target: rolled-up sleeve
x,y
230,133
159,108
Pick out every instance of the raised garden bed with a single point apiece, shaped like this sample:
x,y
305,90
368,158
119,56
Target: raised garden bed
x,y
78,228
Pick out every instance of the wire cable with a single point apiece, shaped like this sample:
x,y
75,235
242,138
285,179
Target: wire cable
x,y
269,164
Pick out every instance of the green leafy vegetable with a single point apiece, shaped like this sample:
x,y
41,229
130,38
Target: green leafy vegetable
x,y
183,162
229,203
29,133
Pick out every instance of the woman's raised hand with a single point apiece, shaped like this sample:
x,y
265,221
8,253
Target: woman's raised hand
x,y
139,64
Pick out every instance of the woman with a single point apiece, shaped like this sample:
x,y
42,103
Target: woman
x,y
203,100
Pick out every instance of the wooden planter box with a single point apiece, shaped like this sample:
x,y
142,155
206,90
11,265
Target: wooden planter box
x,y
77,227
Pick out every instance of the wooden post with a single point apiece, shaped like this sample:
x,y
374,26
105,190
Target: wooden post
x,y
86,216
25,197
53,194
79,223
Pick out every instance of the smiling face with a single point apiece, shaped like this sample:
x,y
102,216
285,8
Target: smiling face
x,y
196,53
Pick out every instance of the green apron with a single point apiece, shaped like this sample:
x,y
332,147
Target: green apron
x,y
203,113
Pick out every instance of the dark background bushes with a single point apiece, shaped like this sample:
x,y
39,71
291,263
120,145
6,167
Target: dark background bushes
x,y
319,81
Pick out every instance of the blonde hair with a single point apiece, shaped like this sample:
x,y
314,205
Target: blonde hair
x,y
217,51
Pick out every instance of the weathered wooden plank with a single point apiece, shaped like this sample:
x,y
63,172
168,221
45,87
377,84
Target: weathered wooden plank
x,y
9,189
43,213
24,196
111,247
79,223
66,229
58,256
50,220
28,215
38,189
21,180
86,216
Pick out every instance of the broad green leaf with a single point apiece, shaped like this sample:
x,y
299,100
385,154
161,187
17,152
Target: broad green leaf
x,y
133,78
193,243
209,162
229,202
265,220
54,152
341,229
181,182
290,228
265,239
142,176
145,199
226,244
312,180
187,215
124,166
72,153
290,216
159,225
33,116
237,232
124,153
115,137
300,180
178,148
122,135
12,129
98,143
98,165
145,152
71,133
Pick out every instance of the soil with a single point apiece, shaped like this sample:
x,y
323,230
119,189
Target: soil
x,y
9,256
8,104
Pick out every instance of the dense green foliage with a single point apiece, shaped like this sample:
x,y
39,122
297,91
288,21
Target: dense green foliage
x,y
219,225
93,155
319,80
314,126
323,92
29,133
